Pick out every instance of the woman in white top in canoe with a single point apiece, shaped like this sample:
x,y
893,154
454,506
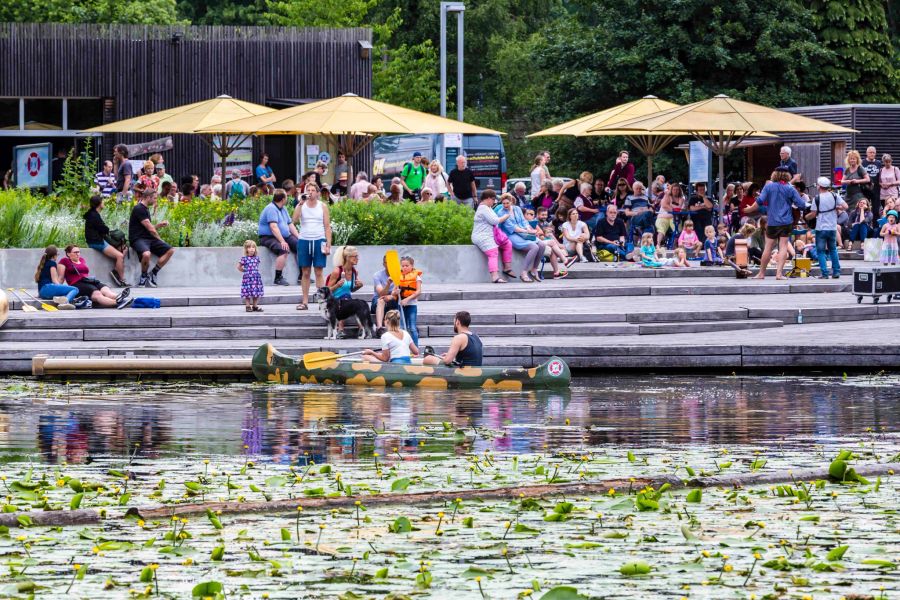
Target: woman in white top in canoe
x,y
396,345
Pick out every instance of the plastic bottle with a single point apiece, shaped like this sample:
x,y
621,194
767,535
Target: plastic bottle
x,y
800,317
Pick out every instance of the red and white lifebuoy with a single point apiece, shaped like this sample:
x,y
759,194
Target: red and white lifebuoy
x,y
33,164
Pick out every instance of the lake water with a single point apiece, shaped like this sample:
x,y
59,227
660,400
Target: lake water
x,y
80,422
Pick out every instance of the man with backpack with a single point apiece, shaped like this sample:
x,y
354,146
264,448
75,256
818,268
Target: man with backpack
x,y
412,177
237,188
824,211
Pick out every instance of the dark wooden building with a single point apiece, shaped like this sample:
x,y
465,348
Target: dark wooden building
x,y
819,154
58,80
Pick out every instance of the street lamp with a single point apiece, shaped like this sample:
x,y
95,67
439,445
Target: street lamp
x,y
459,8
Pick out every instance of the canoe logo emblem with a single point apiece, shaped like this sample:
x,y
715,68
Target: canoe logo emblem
x,y
555,368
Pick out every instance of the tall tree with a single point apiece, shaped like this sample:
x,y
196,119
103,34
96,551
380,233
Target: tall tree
x,y
863,64
403,73
160,12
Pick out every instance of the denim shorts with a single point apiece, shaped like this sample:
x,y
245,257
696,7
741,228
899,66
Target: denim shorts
x,y
310,254
99,247
402,360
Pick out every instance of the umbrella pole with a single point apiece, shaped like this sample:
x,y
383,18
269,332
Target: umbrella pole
x,y
649,170
721,176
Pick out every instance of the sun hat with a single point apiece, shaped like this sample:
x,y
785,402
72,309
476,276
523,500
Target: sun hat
x,y
343,176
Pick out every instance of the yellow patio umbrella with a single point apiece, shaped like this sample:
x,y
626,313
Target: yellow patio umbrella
x,y
192,118
351,121
721,123
649,144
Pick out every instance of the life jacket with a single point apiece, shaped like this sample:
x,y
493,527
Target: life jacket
x,y
409,284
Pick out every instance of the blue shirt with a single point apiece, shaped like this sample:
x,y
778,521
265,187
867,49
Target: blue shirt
x,y
790,164
262,171
779,198
273,214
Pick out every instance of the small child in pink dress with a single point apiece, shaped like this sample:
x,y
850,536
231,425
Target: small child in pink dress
x,y
688,239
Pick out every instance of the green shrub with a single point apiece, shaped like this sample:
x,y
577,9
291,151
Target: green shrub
x,y
406,223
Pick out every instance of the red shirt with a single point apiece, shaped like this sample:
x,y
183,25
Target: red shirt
x,y
626,173
74,272
746,201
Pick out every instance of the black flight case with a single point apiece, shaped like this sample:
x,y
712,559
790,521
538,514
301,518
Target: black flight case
x,y
876,281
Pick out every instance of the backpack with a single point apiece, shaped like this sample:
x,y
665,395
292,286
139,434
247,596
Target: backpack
x,y
117,239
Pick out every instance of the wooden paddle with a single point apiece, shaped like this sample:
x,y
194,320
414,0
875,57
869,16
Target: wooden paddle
x,y
392,258
25,306
44,305
311,358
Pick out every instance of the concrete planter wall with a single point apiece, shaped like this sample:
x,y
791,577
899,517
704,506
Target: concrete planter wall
x,y
209,267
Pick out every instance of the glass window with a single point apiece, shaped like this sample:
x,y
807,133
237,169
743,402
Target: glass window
x,y
9,113
85,113
43,113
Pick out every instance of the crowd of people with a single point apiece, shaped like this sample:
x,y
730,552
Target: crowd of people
x,y
559,222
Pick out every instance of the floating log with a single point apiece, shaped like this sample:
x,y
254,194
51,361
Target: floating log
x,y
90,516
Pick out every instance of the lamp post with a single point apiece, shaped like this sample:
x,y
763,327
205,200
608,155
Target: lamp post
x,y
458,8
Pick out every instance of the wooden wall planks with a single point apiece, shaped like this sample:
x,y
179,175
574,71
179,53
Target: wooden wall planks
x,y
143,69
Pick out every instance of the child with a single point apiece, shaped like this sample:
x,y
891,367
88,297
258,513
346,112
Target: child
x,y
251,282
410,287
710,254
649,257
532,221
680,259
889,244
553,249
722,230
720,250
688,239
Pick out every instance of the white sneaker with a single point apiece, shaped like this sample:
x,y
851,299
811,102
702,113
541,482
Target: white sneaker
x,y
60,300
582,260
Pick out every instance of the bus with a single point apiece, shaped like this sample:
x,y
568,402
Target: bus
x,y
485,153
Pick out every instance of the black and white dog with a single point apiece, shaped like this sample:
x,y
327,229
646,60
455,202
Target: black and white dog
x,y
338,310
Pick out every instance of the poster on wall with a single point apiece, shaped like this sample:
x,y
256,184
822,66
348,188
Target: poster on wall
x,y
699,163
241,156
33,165
312,153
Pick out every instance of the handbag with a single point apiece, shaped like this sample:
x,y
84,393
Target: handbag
x,y
500,237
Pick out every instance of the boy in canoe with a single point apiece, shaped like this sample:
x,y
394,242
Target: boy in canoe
x,y
465,348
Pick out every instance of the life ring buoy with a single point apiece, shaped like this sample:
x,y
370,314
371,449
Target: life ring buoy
x,y
33,164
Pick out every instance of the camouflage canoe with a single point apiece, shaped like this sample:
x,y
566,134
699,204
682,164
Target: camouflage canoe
x,y
269,365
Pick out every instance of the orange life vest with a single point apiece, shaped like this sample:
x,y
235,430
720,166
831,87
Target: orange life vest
x,y
409,284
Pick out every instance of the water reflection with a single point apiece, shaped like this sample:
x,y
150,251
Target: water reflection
x,y
290,424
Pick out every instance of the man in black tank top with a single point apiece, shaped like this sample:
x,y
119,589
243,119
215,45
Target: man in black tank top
x,y
465,348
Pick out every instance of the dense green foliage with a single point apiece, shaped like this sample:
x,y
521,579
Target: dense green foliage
x,y
856,31
158,12
405,223
31,221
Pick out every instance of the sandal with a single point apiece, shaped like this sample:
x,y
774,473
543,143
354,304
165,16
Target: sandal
x,y
257,309
499,280
526,278
536,276
510,274
302,306
249,309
